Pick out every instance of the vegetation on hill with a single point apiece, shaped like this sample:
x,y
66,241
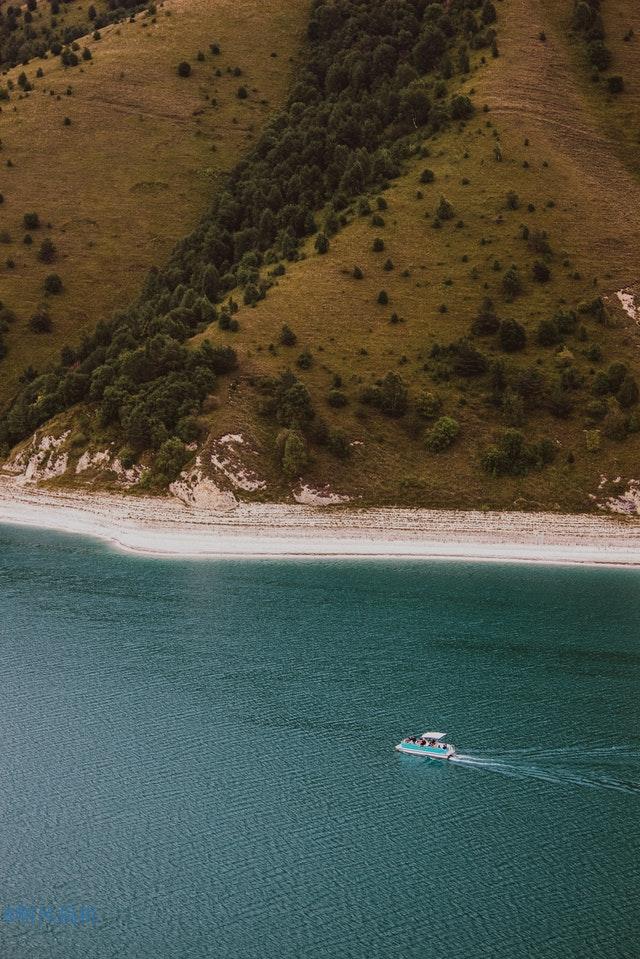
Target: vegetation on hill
x,y
135,166
409,276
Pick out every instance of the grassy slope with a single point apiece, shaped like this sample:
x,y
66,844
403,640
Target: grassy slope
x,y
534,92
136,168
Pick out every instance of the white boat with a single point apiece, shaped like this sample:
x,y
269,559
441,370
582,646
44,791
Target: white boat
x,y
430,746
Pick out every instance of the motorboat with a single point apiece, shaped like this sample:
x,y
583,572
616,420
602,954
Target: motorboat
x,y
430,746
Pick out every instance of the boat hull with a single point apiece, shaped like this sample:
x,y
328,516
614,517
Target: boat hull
x,y
426,752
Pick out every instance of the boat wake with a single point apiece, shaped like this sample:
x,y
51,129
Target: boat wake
x,y
565,766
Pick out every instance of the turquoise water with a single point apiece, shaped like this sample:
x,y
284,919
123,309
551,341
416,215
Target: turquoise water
x,y
203,753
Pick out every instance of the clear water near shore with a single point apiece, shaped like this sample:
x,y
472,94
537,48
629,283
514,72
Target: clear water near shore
x,y
203,752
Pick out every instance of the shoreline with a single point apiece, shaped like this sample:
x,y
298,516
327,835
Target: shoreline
x,y
167,528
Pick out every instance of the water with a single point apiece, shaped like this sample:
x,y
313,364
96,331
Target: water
x,y
203,752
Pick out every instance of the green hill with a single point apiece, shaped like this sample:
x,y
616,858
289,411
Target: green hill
x,y
406,292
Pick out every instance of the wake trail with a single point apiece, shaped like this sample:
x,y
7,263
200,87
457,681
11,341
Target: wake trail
x,y
517,765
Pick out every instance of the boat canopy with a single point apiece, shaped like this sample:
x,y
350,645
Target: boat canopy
x,y
433,736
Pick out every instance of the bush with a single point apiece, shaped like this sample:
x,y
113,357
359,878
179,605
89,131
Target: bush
x,y
511,283
383,298
548,333
445,210
378,245
513,200
442,435
467,361
242,93
486,322
337,399
428,405
47,252
615,84
540,272
40,322
461,108
53,283
184,69
390,396
293,452
322,243
31,221
427,176
513,336
628,393
512,456
287,336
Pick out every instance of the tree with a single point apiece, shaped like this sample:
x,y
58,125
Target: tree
x,y
293,449
468,361
383,297
427,176
513,336
548,333
184,69
442,435
429,48
31,221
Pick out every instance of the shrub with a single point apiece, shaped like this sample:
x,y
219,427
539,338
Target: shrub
x,y
513,200
615,84
461,107
337,399
445,210
292,448
513,336
593,440
512,456
40,322
287,336
378,245
184,69
338,443
428,405
31,221
486,322
47,252
357,273
53,283
548,333
615,426
427,176
322,243
305,360
383,297
540,272
390,395
242,93
511,283
628,393
467,361
442,435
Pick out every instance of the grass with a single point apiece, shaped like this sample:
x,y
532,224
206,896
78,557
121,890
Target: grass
x,y
137,165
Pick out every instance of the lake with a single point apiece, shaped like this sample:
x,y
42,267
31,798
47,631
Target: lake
x,y
197,757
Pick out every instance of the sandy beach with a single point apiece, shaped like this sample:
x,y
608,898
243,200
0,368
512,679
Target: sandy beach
x,y
168,527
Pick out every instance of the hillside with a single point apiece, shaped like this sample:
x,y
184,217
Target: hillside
x,y
429,313
136,167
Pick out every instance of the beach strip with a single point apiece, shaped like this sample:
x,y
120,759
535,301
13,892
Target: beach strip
x,y
165,526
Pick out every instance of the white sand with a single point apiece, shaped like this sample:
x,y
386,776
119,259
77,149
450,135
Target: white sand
x,y
167,527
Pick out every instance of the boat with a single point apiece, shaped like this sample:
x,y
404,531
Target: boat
x,y
429,746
